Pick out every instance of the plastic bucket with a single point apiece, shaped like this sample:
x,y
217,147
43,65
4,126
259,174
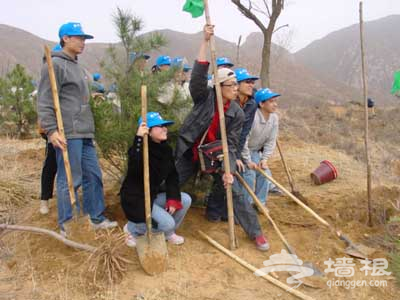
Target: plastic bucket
x,y
324,173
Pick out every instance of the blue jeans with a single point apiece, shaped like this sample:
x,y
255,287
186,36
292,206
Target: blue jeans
x,y
85,171
256,181
166,223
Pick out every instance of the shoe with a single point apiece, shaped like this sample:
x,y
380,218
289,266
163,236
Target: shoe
x,y
276,192
105,224
235,220
213,219
262,243
65,229
44,207
130,240
175,239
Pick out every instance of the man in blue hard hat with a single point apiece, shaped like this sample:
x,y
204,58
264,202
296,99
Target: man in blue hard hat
x,y
74,95
260,143
139,59
163,63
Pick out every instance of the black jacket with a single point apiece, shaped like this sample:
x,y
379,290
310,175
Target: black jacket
x,y
161,168
200,117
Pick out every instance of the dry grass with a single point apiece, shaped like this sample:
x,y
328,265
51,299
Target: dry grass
x,y
107,263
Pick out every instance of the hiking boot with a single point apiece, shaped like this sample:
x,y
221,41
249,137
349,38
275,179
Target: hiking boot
x,y
262,243
105,224
130,240
175,239
44,207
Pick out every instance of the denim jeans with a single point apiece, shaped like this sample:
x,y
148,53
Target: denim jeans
x,y
166,223
86,172
256,181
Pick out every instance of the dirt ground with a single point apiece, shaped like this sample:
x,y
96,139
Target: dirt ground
x,y
35,266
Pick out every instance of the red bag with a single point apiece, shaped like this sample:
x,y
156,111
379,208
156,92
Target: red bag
x,y
211,156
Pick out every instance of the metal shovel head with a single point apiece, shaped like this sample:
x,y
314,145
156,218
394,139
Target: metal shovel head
x,y
153,253
359,251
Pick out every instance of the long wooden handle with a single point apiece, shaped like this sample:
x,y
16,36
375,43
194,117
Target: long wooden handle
x,y
264,210
224,140
254,269
287,170
294,198
60,123
146,173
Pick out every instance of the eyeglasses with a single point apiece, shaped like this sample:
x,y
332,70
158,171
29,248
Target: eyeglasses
x,y
233,84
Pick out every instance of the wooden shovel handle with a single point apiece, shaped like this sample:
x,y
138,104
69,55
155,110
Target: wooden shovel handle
x,y
287,170
146,173
60,123
224,140
294,198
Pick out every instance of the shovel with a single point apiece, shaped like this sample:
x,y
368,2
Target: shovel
x,y
356,250
60,124
151,247
317,273
293,187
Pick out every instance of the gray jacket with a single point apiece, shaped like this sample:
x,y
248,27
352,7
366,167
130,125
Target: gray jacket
x,y
74,94
200,117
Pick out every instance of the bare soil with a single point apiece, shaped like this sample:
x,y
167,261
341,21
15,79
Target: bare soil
x,y
38,267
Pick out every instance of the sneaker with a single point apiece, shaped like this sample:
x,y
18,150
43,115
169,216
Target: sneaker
x,y
175,239
130,240
275,192
262,243
105,224
44,207
65,229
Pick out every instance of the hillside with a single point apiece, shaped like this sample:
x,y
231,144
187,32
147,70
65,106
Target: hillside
x,y
297,84
337,56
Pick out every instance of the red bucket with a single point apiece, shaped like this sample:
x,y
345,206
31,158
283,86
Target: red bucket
x,y
324,173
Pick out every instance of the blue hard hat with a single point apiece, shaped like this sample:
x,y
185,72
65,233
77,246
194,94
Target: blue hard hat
x,y
224,61
186,68
243,74
96,76
135,55
177,61
155,119
265,94
73,29
163,60
57,48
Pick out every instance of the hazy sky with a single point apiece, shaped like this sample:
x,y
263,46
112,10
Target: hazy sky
x,y
308,19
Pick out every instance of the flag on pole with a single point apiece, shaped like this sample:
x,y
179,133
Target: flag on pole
x,y
396,84
194,7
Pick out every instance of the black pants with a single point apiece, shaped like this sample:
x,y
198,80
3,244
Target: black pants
x,y
49,172
243,211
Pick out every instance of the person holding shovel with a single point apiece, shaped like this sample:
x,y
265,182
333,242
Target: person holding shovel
x,y
260,143
168,208
203,121
74,94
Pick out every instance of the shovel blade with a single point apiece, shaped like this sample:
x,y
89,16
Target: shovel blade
x,y
359,251
153,253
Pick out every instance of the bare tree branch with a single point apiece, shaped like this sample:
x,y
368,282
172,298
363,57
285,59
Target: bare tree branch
x,y
280,27
247,13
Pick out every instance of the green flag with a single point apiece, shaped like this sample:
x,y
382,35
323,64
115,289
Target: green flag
x,y
396,84
194,7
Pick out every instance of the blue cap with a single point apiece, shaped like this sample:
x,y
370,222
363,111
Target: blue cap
x,y
186,68
135,55
96,76
57,48
177,61
73,29
224,61
155,119
243,74
265,94
163,60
